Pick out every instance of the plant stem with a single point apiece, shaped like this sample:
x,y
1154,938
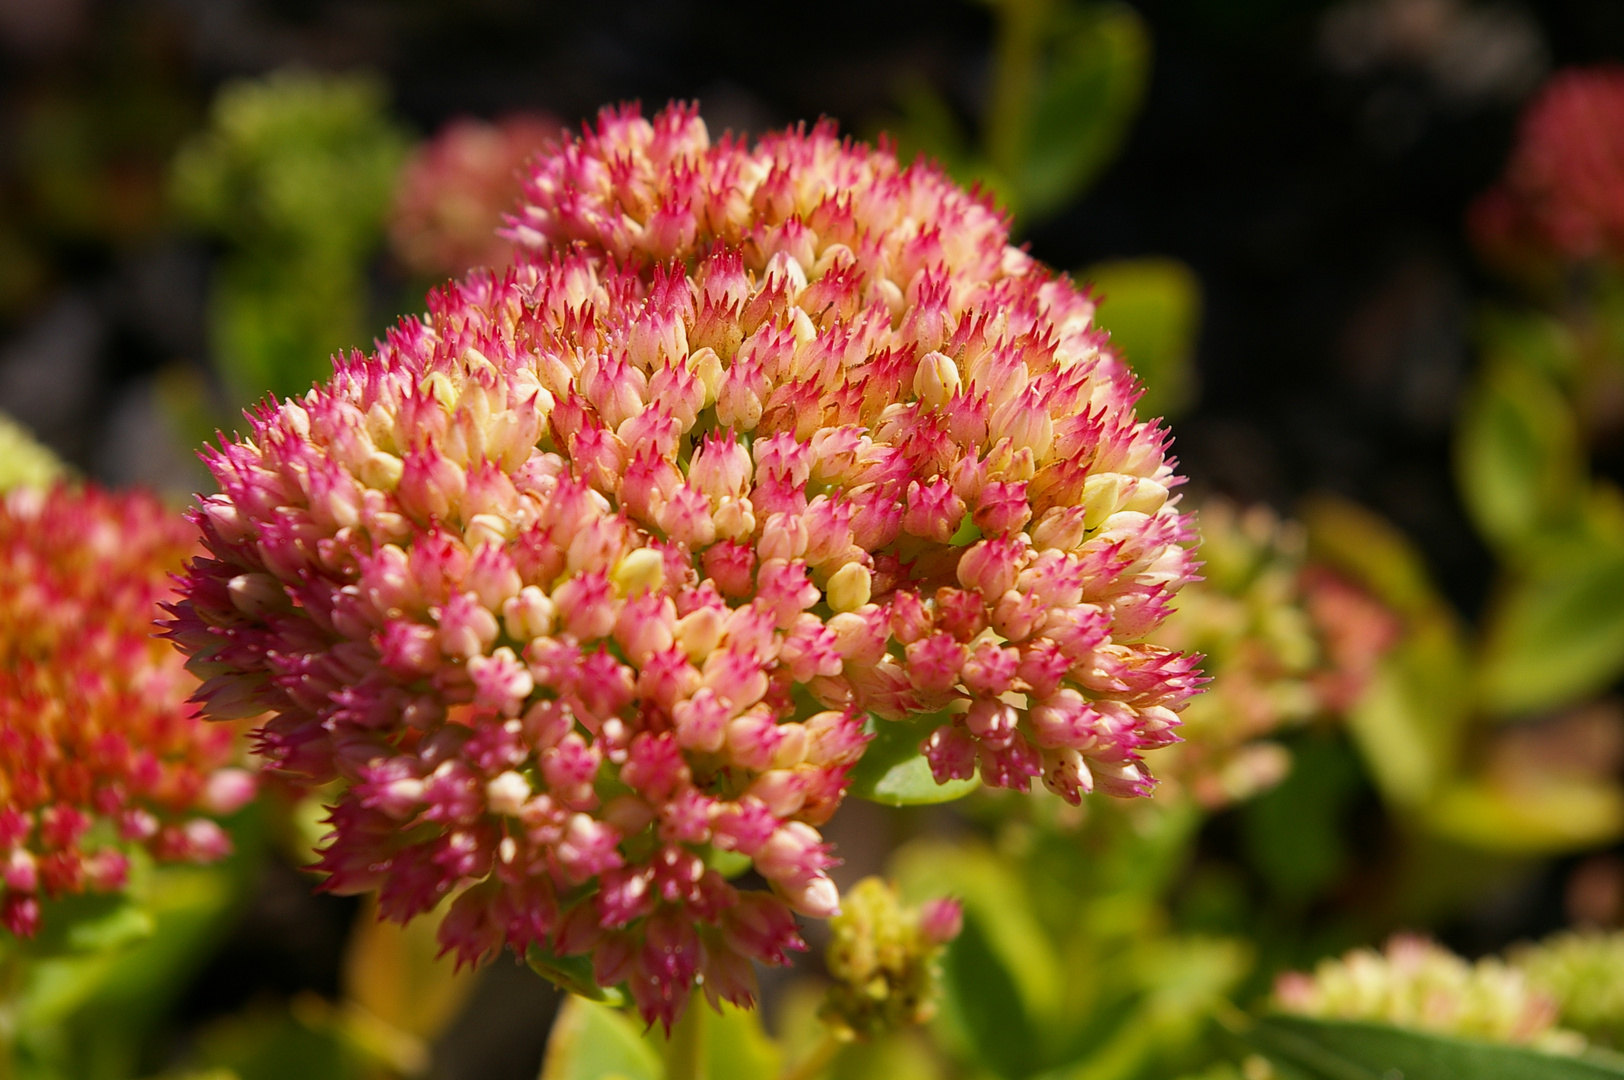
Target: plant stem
x,y
685,1046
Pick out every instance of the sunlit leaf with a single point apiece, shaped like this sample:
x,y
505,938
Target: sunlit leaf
x,y
1409,721
737,1047
590,1041
396,973
1152,307
23,460
1340,1050
1560,815
892,770
1556,634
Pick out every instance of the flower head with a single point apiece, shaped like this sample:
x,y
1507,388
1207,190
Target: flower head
x,y
883,958
99,750
1417,984
1583,971
1285,640
601,566
455,187
1562,195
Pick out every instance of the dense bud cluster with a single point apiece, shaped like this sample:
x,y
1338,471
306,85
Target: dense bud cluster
x,y
883,958
1415,983
99,750
601,570
1563,191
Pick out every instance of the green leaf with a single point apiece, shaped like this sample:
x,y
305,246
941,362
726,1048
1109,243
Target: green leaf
x,y
590,1041
1517,455
737,1046
572,973
1092,83
895,773
988,1003
1294,833
1341,1050
1409,721
23,461
1152,308
1557,633
1561,815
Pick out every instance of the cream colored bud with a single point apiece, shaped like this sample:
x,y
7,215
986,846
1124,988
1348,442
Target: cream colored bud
x,y
492,529
849,587
639,572
735,519
382,471
1102,497
1147,497
255,594
505,794
937,380
439,385
707,368
529,615
699,632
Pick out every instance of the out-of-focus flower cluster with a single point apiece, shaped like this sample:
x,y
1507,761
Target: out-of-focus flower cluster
x,y
1415,983
99,749
455,188
600,568
1562,195
1283,642
1583,971
883,957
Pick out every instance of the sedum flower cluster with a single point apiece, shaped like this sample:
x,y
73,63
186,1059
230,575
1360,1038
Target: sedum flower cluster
x,y
883,957
1283,640
455,187
602,572
1562,194
99,751
1583,971
1417,984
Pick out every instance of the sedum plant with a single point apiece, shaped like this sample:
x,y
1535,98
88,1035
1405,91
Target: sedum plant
x,y
597,582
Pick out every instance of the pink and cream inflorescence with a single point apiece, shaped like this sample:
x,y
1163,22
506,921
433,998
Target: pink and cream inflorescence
x,y
613,562
100,752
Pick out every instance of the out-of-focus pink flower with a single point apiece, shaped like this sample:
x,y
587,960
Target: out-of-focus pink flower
x,y
1562,195
455,187
600,567
99,749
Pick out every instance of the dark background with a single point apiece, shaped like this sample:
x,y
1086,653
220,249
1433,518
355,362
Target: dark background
x,y
1317,190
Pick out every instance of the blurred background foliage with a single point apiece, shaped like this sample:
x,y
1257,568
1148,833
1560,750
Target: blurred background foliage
x,y
1405,452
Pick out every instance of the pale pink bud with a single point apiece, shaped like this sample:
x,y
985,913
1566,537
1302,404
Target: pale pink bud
x,y
229,790
934,511
940,920
467,629
701,721
990,567
586,606
501,681
493,577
